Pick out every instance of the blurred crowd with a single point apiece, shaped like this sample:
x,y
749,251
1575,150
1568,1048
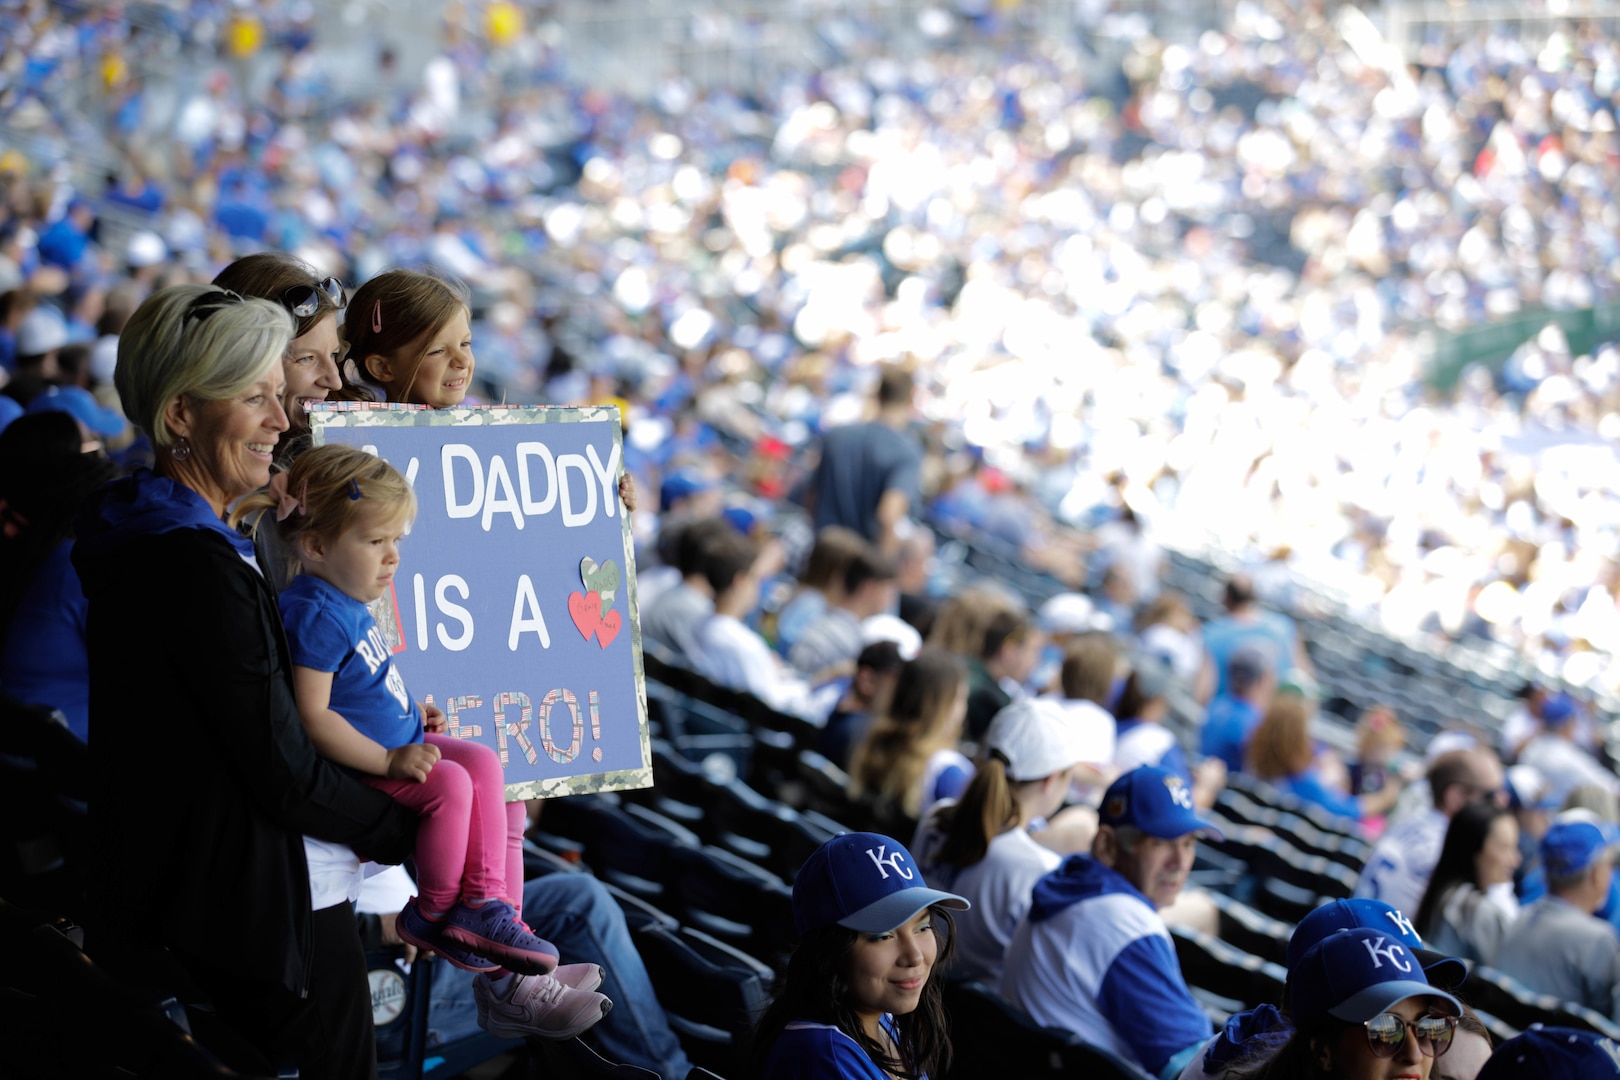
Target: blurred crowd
x,y
1186,286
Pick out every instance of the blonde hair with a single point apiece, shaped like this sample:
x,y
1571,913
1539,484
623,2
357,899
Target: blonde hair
x,y
1379,729
395,315
1281,745
334,485
890,759
195,341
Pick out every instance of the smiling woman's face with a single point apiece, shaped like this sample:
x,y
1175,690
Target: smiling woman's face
x,y
311,367
887,972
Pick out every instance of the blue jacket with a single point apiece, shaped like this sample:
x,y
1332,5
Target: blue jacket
x,y
1094,957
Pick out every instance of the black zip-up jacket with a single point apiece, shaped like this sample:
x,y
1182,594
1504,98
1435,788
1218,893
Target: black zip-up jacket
x,y
205,781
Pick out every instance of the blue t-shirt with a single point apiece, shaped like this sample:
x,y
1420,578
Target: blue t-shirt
x,y
1308,786
809,1051
1270,631
1228,723
331,631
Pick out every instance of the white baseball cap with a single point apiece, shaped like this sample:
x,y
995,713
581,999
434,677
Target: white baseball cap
x,y
892,628
1036,738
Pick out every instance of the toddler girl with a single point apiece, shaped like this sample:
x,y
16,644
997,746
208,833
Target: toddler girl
x,y
342,513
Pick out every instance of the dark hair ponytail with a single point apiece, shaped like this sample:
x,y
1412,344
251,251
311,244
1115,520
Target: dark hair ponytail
x,y
985,811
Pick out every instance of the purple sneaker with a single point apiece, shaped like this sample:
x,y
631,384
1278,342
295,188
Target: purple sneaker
x,y
427,935
493,930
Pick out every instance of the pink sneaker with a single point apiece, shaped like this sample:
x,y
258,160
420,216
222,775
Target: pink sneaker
x,y
537,1005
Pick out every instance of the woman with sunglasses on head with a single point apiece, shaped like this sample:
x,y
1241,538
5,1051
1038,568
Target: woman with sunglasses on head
x,y
311,362
1362,1010
206,783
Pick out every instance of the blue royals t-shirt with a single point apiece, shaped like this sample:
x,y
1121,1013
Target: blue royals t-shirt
x,y
329,630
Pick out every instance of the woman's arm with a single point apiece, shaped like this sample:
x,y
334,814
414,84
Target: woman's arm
x,y
233,659
339,741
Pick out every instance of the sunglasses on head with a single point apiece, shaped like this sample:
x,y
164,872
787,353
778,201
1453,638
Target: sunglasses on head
x,y
209,302
1386,1034
305,300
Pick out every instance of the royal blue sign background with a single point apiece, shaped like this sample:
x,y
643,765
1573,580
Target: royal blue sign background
x,y
513,609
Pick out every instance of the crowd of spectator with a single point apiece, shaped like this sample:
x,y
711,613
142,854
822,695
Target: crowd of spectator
x,y
1184,290
1077,313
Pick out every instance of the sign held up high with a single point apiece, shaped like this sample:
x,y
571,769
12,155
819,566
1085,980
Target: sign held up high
x,y
514,607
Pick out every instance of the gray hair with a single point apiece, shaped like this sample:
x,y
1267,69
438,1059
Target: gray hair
x,y
212,353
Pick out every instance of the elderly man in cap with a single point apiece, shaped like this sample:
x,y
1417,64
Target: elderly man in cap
x,y
1558,946
1093,955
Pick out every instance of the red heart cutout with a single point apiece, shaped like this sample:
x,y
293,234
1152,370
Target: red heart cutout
x,y
586,611
608,629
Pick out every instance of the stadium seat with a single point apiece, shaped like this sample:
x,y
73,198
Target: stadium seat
x,y
1284,902
1252,931
1218,966
47,979
627,845
711,993
991,1037
1518,1006
742,904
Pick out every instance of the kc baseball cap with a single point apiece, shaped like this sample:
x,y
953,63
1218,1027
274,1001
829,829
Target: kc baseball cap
x,y
1360,913
1036,738
863,881
1157,801
1553,1053
1353,975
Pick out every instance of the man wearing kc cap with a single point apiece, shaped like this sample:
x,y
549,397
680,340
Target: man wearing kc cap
x,y
1093,955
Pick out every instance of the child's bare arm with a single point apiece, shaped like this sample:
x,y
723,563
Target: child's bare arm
x,y
337,740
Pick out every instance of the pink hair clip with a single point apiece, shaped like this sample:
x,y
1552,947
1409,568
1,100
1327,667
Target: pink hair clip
x,y
376,316
287,504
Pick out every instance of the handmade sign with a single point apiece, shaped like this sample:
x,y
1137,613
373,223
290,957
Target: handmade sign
x,y
514,607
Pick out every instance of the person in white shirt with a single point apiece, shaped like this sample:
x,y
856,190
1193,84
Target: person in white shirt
x,y
834,639
728,651
980,846
1403,860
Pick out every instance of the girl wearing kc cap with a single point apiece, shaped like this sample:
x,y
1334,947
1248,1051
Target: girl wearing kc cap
x,y
858,1001
1363,1009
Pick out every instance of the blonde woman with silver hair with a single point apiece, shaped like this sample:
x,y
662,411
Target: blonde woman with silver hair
x,y
206,783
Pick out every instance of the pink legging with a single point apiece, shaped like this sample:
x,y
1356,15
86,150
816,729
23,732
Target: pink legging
x,y
470,841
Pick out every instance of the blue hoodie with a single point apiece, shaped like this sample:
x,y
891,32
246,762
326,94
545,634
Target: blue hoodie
x,y
139,505
1095,958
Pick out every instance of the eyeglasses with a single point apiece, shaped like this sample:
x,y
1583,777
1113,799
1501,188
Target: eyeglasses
x,y
209,302
1386,1034
305,300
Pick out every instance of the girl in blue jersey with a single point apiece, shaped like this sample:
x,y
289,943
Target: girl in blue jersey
x,y
343,512
859,1001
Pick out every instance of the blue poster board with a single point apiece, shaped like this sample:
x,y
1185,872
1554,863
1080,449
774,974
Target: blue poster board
x,y
514,606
